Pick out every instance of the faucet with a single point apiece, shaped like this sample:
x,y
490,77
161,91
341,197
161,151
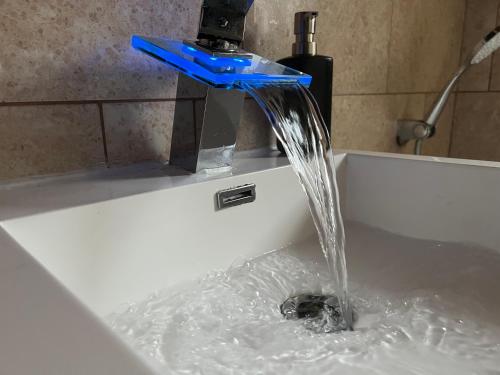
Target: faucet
x,y
214,71
420,130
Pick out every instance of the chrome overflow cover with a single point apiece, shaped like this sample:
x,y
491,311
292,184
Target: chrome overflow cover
x,y
235,196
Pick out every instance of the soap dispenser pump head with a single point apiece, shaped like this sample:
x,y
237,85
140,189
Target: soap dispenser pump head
x,y
305,28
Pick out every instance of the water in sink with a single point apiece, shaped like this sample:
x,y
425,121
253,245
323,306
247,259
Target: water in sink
x,y
422,307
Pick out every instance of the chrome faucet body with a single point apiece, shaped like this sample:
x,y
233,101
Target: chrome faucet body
x,y
215,73
205,139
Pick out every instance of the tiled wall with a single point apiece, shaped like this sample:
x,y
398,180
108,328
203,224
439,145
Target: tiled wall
x,y
476,125
74,95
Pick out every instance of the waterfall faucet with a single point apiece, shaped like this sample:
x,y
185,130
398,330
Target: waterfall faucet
x,y
214,70
419,130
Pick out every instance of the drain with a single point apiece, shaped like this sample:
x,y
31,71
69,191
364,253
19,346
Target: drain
x,y
320,313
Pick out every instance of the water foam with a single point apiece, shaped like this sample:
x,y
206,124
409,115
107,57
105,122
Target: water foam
x,y
229,322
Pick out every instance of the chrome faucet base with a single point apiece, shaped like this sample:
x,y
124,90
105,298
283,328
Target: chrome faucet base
x,y
204,137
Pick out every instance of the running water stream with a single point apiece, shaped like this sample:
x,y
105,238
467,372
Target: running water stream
x,y
297,122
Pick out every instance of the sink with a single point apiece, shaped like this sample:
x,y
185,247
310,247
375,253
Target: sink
x,y
74,248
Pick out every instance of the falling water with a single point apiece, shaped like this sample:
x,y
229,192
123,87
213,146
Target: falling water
x,y
298,124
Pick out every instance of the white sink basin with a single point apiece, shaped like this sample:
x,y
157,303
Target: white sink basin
x,y
74,248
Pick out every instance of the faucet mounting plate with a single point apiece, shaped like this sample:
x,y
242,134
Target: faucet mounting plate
x,y
237,54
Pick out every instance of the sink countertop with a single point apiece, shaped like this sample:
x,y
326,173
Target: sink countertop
x,y
31,196
42,194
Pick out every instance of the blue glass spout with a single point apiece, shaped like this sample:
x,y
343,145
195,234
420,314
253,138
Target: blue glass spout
x,y
218,71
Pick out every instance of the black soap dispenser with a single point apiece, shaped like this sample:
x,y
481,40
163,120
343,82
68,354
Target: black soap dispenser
x,y
306,60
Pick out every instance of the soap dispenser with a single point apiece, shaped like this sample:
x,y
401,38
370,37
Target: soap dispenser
x,y
306,60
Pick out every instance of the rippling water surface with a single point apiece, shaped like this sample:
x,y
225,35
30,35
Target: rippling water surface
x,y
422,307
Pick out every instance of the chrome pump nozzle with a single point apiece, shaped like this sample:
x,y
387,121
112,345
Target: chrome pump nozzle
x,y
305,28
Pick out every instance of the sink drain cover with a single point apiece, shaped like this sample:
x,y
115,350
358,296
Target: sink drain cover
x,y
321,313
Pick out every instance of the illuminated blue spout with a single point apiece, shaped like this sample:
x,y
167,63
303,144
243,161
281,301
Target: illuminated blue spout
x,y
204,133
218,71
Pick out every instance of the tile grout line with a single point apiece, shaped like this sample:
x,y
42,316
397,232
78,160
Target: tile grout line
x,y
103,133
389,47
490,78
478,92
125,101
387,93
193,105
93,101
131,101
462,43
457,92
453,123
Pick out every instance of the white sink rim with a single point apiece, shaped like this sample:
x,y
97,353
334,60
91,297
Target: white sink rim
x,y
380,190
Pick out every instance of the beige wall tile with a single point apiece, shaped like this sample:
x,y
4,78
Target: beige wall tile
x,y
439,144
139,131
425,44
60,50
269,28
354,32
255,129
73,50
51,139
476,129
368,122
495,68
480,19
